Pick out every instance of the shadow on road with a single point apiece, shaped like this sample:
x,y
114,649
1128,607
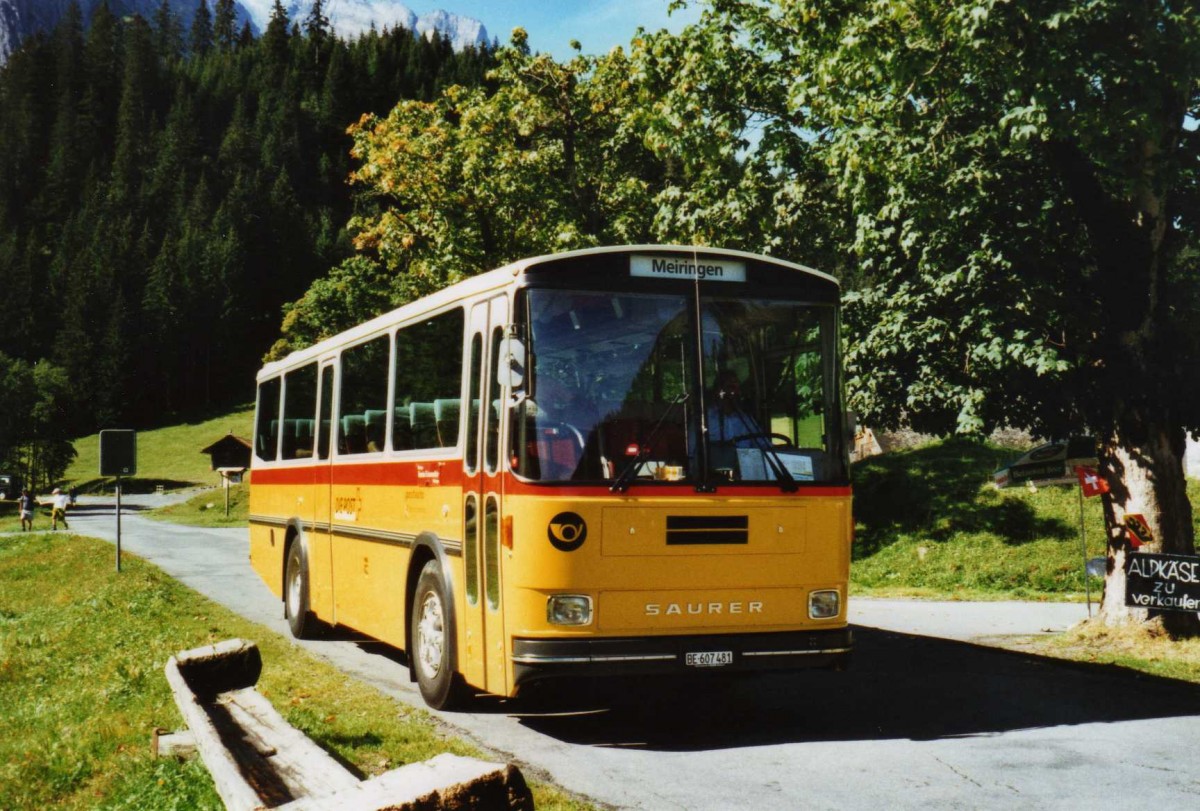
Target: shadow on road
x,y
898,687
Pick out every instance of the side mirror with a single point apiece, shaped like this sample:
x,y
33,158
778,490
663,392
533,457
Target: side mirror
x,y
512,363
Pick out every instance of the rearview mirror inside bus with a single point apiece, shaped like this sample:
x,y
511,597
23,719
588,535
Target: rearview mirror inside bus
x,y
512,363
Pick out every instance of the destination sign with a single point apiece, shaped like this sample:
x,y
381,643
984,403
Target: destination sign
x,y
687,267
1163,582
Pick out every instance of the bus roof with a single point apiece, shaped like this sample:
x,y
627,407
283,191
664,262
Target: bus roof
x,y
492,280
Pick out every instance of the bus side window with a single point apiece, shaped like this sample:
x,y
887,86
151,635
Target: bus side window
x,y
491,450
299,407
364,393
266,430
326,424
472,454
429,378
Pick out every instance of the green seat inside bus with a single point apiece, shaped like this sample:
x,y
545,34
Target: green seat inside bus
x,y
353,437
301,433
376,428
402,435
424,425
445,414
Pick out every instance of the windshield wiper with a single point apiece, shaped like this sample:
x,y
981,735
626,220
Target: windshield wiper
x,y
621,483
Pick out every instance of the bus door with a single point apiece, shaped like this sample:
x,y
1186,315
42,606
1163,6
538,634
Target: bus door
x,y
486,663
320,542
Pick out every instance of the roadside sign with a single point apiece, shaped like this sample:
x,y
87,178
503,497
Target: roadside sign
x,y
1068,461
118,452
118,457
1051,463
1163,582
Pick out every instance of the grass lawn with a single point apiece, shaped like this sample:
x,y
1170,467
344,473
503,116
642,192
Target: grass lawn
x,y
929,523
207,509
10,520
167,456
1136,648
82,651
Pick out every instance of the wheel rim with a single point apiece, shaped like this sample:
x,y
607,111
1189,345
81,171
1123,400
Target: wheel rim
x,y
431,635
294,586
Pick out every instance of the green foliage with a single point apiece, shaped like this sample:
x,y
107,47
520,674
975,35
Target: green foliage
x,y
550,156
1020,177
161,201
930,523
33,429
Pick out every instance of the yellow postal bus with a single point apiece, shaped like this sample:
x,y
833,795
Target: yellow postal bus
x,y
610,461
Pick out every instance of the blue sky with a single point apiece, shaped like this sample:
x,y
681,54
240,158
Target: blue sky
x,y
552,24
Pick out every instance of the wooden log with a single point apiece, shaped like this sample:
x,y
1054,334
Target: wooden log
x,y
180,744
258,760
445,783
255,756
235,791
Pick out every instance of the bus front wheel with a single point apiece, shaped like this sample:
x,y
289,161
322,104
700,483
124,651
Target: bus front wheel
x,y
430,653
295,592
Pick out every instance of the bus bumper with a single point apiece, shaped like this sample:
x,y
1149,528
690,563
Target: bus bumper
x,y
537,659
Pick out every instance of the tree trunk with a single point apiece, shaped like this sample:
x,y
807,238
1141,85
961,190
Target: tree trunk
x,y
1146,477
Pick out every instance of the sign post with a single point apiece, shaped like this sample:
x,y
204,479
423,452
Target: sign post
x,y
118,457
1087,581
1063,462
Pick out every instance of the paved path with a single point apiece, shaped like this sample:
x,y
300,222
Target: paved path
x,y
967,622
919,721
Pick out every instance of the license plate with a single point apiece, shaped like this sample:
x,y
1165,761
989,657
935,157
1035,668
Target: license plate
x,y
713,658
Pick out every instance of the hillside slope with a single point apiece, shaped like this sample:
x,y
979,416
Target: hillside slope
x,y
929,523
168,456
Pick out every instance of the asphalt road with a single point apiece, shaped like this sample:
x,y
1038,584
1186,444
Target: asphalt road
x,y
928,716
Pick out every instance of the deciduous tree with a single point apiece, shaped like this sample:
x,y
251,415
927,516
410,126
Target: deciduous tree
x,y
1022,177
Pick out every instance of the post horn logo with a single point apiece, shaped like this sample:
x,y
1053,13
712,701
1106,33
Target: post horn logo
x,y
567,531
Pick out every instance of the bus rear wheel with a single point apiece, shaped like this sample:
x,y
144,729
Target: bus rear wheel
x,y
431,640
295,593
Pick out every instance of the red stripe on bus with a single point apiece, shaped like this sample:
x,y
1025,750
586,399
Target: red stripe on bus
x,y
450,473
398,474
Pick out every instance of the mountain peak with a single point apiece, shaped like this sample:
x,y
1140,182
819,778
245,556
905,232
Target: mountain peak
x,y
350,18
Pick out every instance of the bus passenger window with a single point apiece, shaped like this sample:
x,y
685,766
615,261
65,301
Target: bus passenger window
x,y
491,451
472,454
326,426
299,410
363,399
429,382
266,429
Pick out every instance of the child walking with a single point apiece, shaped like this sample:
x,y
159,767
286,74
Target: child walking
x,y
58,509
25,504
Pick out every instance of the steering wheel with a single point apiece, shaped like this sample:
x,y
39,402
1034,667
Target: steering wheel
x,y
566,428
781,440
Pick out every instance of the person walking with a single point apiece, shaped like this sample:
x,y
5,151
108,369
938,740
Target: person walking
x,y
58,509
26,504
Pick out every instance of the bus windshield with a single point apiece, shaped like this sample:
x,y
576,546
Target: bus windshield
x,y
626,388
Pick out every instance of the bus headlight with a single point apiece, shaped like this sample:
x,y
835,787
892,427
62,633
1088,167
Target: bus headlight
x,y
569,609
823,604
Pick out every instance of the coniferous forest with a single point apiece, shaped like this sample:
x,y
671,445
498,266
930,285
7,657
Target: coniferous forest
x,y
163,192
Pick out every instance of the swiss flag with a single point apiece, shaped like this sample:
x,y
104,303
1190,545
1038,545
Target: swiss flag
x,y
1090,481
